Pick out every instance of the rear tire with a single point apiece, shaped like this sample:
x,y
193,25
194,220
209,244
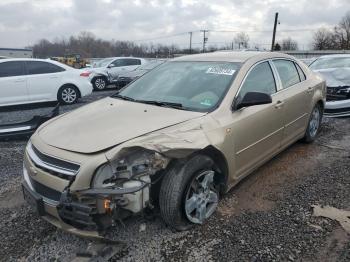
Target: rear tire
x,y
314,124
99,83
177,193
68,95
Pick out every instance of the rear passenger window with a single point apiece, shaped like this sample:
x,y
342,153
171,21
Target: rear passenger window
x,y
13,68
259,79
39,67
131,62
287,72
301,73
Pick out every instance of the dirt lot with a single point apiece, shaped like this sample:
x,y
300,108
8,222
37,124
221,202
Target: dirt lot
x,y
267,217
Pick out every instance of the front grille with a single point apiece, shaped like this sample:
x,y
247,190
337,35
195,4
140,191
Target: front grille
x,y
45,191
337,93
57,167
56,162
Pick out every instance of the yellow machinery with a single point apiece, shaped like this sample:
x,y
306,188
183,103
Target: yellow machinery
x,y
73,60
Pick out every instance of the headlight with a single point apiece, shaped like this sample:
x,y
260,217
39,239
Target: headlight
x,y
103,176
130,164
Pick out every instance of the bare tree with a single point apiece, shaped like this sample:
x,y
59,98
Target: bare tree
x,y
289,44
322,39
242,40
342,32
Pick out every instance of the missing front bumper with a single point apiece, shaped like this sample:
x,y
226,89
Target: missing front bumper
x,y
83,211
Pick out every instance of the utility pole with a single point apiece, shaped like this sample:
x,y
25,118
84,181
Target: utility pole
x,y
205,39
274,32
190,42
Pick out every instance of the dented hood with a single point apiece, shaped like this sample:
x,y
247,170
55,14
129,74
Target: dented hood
x,y
336,77
109,122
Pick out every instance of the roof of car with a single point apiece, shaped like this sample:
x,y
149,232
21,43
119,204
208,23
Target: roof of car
x,y
37,59
335,56
234,56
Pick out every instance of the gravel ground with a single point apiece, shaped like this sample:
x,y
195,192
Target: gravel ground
x,y
267,217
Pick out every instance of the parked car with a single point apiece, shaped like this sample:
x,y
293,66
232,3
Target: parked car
x,y
127,77
308,61
336,70
27,80
179,137
104,71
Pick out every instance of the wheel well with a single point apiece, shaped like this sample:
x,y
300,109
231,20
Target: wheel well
x,y
321,103
220,164
72,85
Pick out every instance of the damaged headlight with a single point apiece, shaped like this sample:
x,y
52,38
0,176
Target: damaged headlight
x,y
129,164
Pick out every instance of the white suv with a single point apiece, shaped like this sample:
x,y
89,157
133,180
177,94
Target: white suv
x,y
108,69
24,81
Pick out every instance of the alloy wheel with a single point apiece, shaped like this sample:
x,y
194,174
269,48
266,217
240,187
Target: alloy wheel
x,y
314,121
201,198
100,83
69,95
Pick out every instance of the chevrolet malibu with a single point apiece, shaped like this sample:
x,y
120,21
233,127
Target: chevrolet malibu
x,y
175,139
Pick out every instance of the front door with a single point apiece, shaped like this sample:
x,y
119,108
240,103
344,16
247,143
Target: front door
x,y
257,130
13,83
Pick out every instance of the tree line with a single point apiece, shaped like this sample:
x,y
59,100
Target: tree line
x,y
336,39
88,45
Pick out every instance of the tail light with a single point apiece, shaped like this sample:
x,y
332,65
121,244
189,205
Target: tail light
x,y
85,74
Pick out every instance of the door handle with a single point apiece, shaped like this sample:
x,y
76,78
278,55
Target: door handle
x,y
310,89
20,80
279,104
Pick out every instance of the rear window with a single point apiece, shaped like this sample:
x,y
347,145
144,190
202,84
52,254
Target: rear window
x,y
287,72
13,68
39,67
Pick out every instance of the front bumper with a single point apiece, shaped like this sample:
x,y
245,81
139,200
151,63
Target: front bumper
x,y
337,108
81,212
24,129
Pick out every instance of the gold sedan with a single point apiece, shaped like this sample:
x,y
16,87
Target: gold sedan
x,y
178,137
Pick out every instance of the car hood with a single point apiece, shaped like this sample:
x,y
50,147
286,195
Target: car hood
x,y
336,77
109,122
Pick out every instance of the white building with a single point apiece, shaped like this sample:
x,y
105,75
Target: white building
x,y
16,52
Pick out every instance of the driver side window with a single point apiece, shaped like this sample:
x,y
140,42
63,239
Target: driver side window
x,y
260,79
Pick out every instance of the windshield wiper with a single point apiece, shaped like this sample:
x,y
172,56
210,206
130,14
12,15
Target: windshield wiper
x,y
150,102
162,103
123,97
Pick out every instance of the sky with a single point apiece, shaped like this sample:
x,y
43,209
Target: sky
x,y
24,22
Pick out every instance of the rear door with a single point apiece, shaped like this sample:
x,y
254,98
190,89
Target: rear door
x,y
13,83
297,101
44,79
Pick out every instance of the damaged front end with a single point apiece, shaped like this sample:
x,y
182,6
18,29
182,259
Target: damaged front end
x,y
25,129
119,189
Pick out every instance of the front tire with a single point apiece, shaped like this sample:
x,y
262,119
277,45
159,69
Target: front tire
x,y
314,124
99,83
188,193
68,95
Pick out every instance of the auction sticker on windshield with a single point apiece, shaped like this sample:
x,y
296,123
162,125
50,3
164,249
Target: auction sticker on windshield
x,y
220,71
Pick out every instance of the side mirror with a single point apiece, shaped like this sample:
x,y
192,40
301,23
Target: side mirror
x,y
253,99
110,66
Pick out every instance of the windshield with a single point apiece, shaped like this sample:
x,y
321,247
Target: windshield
x,y
195,86
150,65
103,62
330,62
